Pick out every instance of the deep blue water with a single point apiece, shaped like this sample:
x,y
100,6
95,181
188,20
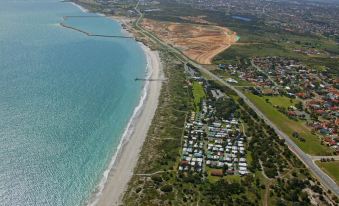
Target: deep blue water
x,y
65,99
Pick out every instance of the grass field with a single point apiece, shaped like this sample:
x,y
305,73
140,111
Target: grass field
x,y
281,101
311,145
331,168
198,94
213,179
260,40
237,52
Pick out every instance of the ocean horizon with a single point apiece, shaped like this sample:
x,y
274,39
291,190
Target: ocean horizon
x,y
65,100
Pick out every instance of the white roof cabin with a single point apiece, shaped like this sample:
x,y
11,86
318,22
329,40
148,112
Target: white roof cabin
x,y
234,121
242,159
216,124
243,168
242,172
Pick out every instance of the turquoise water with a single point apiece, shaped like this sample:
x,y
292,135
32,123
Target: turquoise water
x,y
103,26
65,99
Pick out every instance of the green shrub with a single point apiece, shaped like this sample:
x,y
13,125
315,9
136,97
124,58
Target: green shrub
x,y
156,178
166,188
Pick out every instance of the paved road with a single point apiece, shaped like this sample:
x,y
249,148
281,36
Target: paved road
x,y
305,158
260,70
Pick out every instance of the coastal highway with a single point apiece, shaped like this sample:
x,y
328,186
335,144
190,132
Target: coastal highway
x,y
324,179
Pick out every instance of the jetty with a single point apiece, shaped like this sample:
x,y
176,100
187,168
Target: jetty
x,y
79,16
149,79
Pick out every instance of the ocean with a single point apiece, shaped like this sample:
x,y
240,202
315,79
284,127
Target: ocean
x,y
65,101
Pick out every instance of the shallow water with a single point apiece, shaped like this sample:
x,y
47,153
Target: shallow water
x,y
65,99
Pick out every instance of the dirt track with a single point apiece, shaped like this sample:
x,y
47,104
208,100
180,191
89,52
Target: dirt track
x,y
199,42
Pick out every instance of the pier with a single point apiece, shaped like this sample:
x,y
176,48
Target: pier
x,y
79,16
149,79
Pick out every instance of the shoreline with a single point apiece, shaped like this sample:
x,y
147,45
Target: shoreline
x,y
114,181
79,6
120,170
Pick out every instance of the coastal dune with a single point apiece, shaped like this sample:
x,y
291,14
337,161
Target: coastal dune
x,y
127,157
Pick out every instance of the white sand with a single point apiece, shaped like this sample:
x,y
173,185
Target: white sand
x,y
114,183
127,157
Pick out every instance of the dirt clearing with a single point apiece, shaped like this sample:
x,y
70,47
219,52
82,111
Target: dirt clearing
x,y
199,42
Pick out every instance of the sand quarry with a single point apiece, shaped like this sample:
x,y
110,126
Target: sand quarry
x,y
199,42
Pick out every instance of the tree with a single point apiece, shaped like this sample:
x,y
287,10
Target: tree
x,y
166,188
295,134
299,106
224,108
314,116
225,168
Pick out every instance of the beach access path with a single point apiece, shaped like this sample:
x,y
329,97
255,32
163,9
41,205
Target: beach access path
x,y
127,158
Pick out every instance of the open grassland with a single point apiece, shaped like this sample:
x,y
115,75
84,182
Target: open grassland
x,y
281,101
198,94
331,168
240,51
312,144
199,42
268,42
214,179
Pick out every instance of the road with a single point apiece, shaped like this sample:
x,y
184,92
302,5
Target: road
x,y
324,179
260,70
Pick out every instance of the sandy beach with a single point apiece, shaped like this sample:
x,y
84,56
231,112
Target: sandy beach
x,y
128,154
115,179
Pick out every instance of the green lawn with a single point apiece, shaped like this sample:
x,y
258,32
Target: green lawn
x,y
233,178
311,145
213,179
281,101
249,157
199,94
237,52
331,168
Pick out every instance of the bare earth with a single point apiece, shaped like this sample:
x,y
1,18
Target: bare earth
x,y
199,42
127,158
195,19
